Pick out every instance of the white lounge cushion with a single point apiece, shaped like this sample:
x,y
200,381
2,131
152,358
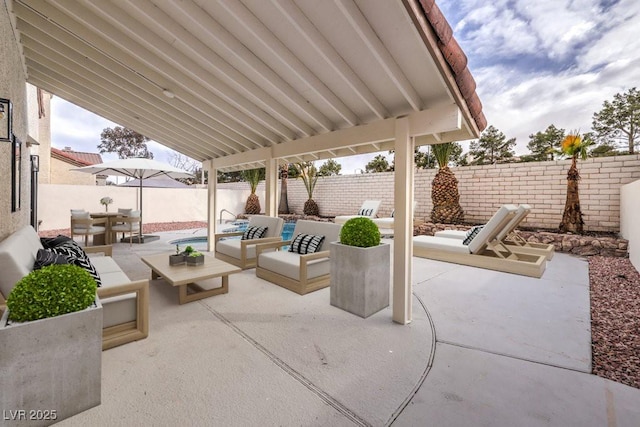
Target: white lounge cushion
x,y
121,308
94,229
288,264
384,222
369,209
440,243
231,247
17,255
451,234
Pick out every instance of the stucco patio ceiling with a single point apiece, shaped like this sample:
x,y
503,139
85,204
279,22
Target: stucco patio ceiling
x,y
212,79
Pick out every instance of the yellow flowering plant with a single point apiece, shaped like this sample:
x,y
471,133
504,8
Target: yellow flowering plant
x,y
574,145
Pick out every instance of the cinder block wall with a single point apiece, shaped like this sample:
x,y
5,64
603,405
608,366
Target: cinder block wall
x,y
483,189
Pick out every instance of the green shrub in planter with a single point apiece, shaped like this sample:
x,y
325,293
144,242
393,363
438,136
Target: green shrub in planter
x,y
361,232
51,291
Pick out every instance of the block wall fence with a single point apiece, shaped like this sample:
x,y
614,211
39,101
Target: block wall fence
x,y
483,189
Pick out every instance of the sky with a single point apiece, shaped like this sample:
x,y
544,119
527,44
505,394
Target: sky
x,y
536,63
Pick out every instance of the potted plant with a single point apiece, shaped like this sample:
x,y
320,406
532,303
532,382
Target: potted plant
x,y
106,201
360,269
195,258
51,343
177,258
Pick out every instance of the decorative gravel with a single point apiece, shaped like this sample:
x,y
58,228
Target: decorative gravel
x,y
615,319
615,310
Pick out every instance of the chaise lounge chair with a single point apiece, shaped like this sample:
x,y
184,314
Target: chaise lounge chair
x,y
368,209
385,225
482,248
242,252
509,237
306,266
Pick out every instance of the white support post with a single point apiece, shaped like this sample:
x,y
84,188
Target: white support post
x,y
403,223
271,187
211,205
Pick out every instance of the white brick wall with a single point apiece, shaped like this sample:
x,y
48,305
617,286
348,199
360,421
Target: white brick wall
x,y
484,188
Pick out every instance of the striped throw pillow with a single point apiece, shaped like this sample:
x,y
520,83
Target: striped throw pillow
x,y
77,256
306,244
45,257
473,232
254,232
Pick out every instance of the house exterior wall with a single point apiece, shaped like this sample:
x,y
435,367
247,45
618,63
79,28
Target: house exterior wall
x,y
484,188
61,173
13,87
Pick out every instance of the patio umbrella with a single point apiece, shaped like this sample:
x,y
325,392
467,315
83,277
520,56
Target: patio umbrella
x,y
137,168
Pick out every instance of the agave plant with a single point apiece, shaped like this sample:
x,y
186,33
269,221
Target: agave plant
x,y
444,189
574,146
309,175
252,176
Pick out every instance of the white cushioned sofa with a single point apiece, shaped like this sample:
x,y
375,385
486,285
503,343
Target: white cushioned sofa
x,y
125,303
300,273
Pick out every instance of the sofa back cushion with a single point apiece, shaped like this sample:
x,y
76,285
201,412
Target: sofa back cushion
x,y
274,224
17,255
329,230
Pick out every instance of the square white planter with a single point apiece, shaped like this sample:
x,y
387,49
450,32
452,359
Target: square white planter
x,y
50,368
360,278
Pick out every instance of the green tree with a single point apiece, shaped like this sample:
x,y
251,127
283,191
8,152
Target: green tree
x,y
544,145
253,177
309,174
283,206
604,150
444,188
492,147
378,164
619,119
125,142
330,167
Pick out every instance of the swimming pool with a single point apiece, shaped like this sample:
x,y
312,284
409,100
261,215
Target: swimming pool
x,y
200,242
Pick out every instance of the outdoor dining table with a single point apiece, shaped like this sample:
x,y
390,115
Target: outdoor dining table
x,y
108,237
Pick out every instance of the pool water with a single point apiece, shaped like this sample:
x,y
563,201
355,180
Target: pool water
x,y
199,243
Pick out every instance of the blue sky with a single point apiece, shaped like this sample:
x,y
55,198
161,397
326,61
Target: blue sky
x,y
535,63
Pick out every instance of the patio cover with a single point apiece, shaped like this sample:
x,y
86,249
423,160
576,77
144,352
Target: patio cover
x,y
245,83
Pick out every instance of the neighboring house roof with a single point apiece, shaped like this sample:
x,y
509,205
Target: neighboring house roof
x,y
72,157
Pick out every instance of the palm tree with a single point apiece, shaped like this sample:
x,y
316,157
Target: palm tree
x,y
575,146
444,189
283,206
309,175
252,176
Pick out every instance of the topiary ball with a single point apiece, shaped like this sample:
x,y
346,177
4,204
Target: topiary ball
x,y
361,232
51,291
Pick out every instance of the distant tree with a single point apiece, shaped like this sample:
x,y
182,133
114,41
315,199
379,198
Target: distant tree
x,y
253,176
604,150
125,142
544,145
378,164
235,176
492,147
330,167
619,119
573,146
424,159
185,163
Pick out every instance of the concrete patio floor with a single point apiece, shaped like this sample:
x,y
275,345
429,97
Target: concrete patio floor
x,y
484,349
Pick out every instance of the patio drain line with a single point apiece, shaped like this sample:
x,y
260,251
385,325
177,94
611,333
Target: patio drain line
x,y
426,371
337,405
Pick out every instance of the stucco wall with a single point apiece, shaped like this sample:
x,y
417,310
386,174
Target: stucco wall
x,y
61,173
159,204
629,224
13,87
483,189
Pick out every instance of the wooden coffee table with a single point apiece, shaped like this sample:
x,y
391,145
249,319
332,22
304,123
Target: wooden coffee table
x,y
185,277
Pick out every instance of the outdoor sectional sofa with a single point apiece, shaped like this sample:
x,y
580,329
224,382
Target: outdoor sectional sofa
x,y
125,303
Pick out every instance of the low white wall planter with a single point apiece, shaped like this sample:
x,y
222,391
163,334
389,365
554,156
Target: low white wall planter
x,y
50,369
360,278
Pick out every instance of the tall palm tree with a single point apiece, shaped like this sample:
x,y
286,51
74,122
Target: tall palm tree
x,y
283,206
444,189
574,146
252,176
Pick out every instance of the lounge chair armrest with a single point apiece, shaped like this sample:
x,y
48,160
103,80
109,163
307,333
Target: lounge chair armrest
x,y
316,255
219,236
261,247
125,288
106,249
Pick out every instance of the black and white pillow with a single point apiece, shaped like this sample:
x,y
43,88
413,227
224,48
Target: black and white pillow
x,y
365,212
52,242
45,257
393,212
306,244
473,232
77,256
254,232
